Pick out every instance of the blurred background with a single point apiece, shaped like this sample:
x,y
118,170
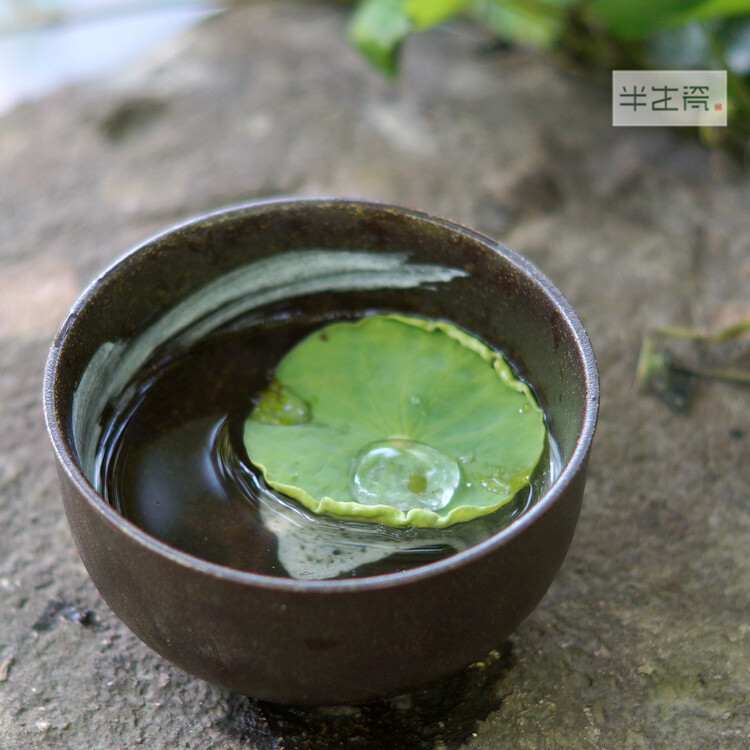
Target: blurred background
x,y
118,119
48,43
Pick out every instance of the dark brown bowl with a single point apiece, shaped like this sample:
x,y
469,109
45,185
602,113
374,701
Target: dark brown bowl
x,y
319,642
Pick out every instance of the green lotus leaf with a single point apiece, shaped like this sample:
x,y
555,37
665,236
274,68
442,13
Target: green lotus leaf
x,y
396,420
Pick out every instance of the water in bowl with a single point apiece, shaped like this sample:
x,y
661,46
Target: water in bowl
x,y
175,465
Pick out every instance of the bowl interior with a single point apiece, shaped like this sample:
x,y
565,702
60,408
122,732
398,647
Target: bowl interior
x,y
312,257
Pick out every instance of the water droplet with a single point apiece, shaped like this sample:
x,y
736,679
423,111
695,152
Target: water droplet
x,y
405,474
280,405
496,483
415,400
525,408
466,459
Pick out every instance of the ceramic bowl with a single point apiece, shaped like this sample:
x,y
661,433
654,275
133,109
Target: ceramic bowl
x,y
317,642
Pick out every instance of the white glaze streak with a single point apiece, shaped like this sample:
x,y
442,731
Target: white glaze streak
x,y
285,276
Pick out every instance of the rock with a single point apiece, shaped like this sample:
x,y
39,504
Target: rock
x,y
643,640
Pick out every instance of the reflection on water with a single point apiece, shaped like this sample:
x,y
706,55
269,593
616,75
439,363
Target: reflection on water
x,y
45,44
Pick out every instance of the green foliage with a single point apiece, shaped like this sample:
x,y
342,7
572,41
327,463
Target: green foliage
x,y
396,420
673,357
601,34
377,29
535,24
718,9
635,18
425,14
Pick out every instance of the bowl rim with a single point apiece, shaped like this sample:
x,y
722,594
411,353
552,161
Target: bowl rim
x,y
65,456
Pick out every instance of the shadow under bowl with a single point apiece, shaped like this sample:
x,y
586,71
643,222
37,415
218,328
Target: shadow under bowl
x,y
317,642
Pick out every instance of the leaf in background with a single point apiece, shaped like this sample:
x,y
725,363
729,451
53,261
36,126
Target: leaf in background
x,y
654,373
426,13
536,24
412,422
632,19
377,29
717,9
672,357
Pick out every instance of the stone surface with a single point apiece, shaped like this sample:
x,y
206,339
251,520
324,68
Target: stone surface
x,y
644,639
